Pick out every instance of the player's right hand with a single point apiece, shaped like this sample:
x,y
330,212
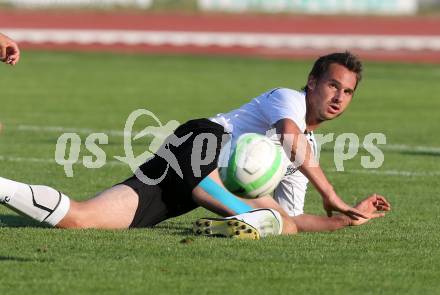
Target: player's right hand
x,y
335,203
9,51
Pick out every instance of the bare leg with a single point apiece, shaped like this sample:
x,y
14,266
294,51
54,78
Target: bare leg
x,y
111,209
207,201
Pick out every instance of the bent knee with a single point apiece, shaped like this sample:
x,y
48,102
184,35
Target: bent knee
x,y
76,217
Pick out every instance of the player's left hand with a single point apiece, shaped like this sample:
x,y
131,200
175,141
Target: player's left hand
x,y
373,207
9,51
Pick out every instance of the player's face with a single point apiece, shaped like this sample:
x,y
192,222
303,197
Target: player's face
x,y
329,96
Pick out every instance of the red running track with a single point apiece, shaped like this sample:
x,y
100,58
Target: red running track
x,y
419,26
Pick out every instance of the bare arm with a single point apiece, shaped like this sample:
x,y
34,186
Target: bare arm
x,y
302,223
369,207
295,142
315,223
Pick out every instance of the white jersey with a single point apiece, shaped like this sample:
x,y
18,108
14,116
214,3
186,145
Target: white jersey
x,y
259,116
261,113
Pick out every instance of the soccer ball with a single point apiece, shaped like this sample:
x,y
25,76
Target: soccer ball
x,y
255,167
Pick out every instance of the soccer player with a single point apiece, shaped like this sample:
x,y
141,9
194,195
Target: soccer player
x,y
9,52
295,115
185,171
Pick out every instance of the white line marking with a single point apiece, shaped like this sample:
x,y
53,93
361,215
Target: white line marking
x,y
49,161
387,147
354,171
409,148
390,172
60,129
226,39
399,148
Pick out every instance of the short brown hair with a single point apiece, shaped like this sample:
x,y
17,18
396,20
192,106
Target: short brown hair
x,y
346,59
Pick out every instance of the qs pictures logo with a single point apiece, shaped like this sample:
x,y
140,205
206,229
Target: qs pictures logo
x,y
68,146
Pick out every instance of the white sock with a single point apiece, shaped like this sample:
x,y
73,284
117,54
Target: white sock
x,y
266,221
39,202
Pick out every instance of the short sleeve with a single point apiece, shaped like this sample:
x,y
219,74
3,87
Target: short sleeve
x,y
283,103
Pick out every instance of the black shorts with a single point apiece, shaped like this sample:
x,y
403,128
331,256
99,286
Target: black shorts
x,y
196,158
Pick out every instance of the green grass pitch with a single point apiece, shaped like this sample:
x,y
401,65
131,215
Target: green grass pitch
x,y
398,254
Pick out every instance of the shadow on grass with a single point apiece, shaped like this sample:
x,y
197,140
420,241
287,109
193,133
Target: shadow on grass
x,y
19,221
21,259
175,229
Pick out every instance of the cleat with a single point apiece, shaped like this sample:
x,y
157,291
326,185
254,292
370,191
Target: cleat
x,y
251,225
221,227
